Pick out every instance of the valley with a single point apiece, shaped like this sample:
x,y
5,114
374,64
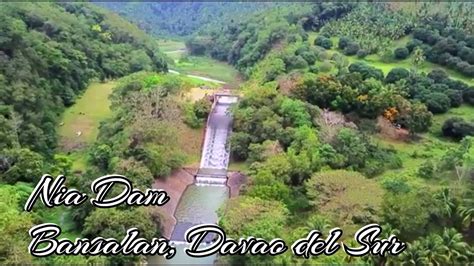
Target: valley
x,y
267,119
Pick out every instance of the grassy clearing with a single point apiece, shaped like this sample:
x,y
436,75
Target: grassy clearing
x,y
197,65
173,49
205,66
464,111
84,117
238,166
431,146
170,45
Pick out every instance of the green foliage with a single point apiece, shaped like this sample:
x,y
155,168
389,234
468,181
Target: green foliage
x,y
247,42
14,226
426,170
457,128
343,42
437,102
101,155
396,74
444,44
371,26
324,42
113,222
196,113
62,165
21,165
352,48
143,128
135,171
190,117
396,185
409,212
183,19
49,53
366,71
401,53
247,216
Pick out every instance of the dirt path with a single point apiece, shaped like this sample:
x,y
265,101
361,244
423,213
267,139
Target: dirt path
x,y
197,77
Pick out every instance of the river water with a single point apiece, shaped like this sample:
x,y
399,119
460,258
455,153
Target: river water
x,y
198,205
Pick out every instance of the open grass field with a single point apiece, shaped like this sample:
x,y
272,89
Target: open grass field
x,y
84,117
430,146
208,67
196,65
166,45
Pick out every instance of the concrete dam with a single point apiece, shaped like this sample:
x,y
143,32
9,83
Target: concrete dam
x,y
201,200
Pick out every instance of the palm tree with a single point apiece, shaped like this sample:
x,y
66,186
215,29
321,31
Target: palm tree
x,y
318,222
388,230
455,248
435,252
466,211
415,254
448,203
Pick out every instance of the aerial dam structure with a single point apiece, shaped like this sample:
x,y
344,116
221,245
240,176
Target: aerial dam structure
x,y
215,152
201,200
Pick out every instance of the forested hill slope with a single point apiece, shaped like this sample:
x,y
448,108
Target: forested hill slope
x,y
244,43
48,54
183,18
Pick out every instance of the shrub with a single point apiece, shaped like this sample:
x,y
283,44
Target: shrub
x,y
468,96
396,185
362,53
437,102
426,170
202,108
313,69
455,97
396,74
457,128
351,48
309,56
366,70
326,66
411,45
297,62
343,41
323,42
401,53
438,75
453,61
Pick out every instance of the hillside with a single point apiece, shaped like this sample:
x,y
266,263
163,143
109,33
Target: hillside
x,y
49,53
348,114
183,18
352,114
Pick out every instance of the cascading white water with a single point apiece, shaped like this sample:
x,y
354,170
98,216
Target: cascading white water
x,y
215,154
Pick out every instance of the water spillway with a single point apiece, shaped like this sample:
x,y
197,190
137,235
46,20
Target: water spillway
x,y
215,152
201,200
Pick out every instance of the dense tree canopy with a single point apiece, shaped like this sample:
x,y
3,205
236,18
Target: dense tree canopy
x,y
48,54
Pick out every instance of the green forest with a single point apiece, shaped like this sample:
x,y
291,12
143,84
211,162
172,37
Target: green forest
x,y
349,114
